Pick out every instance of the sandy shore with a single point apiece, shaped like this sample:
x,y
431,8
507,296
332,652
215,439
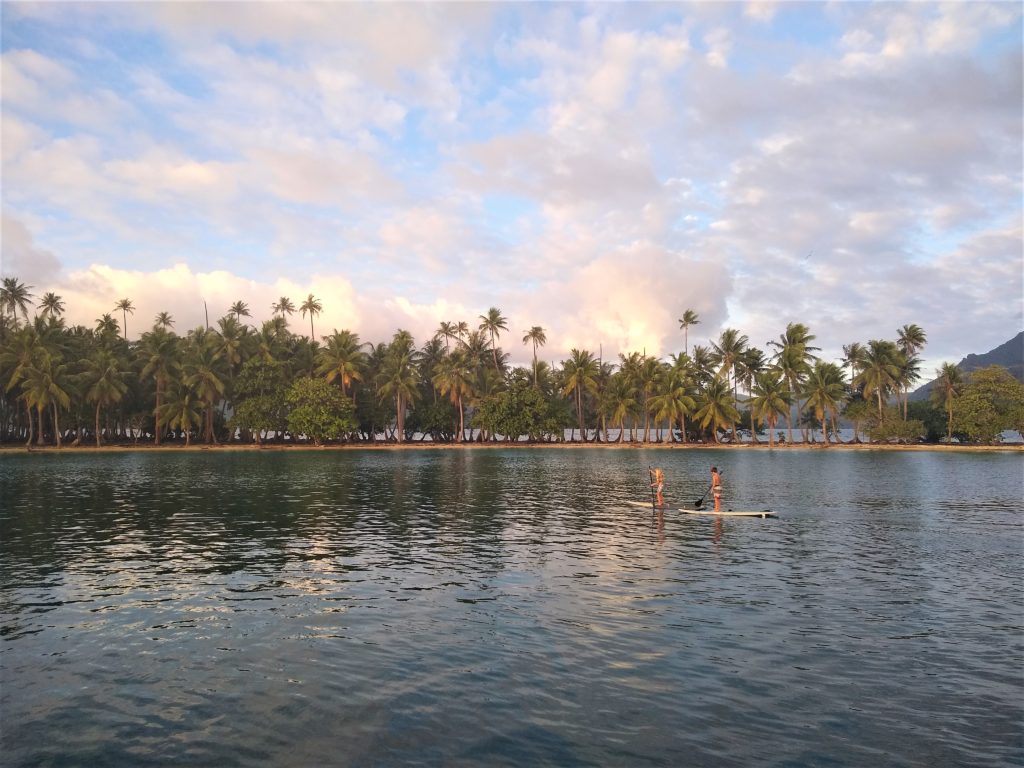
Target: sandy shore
x,y
427,446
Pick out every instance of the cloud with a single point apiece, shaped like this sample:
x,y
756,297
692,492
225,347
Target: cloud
x,y
761,10
20,257
416,163
91,292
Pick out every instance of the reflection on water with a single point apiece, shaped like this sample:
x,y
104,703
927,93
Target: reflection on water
x,y
506,607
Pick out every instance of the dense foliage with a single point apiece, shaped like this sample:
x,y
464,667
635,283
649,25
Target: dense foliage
x,y
234,382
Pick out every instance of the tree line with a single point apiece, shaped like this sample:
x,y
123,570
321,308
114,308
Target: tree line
x,y
236,382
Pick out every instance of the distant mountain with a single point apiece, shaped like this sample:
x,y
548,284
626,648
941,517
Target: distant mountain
x,y
1009,355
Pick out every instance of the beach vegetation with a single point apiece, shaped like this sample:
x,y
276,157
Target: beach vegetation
x,y
230,381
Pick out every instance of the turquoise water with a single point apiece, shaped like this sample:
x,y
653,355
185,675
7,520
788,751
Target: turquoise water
x,y
505,607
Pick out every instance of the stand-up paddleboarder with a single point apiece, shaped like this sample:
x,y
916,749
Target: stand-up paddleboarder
x,y
658,484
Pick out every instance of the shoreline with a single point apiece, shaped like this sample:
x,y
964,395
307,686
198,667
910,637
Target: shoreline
x,y
427,446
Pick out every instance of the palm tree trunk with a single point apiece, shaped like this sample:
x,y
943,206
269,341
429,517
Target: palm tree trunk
x,y
97,423
462,422
399,419
735,399
56,425
39,424
789,417
579,414
28,410
647,421
156,417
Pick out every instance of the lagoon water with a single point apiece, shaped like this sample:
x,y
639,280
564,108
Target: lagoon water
x,y
504,607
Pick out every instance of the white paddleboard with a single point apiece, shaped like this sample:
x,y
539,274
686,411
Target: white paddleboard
x,y
730,513
640,504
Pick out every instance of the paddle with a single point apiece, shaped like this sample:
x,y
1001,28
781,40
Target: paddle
x,y
650,476
700,501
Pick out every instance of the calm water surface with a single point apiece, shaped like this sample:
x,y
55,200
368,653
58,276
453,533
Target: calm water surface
x,y
505,607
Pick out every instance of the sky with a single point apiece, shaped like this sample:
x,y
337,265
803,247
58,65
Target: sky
x,y
594,169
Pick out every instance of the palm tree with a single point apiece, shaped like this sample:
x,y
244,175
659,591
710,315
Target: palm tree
x,y
47,386
105,384
106,327
159,354
271,341
948,385
283,307
682,379
537,337
125,305
825,389
430,356
475,345
448,332
629,367
342,358
239,309
911,339
748,367
398,379
163,320
180,411
21,354
910,372
793,359
51,304
728,351
580,375
203,376
853,357
881,370
647,379
673,400
717,409
770,399
314,307
618,400
703,362
453,377
493,322
689,318
230,341
14,296
462,329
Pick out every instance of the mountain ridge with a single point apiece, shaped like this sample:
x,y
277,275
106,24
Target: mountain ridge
x,y
1009,354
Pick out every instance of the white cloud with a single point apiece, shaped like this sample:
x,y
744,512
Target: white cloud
x,y
719,43
20,257
761,10
366,144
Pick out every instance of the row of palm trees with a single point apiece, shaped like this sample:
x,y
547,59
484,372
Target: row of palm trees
x,y
227,381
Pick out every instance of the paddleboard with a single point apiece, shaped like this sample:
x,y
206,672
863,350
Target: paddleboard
x,y
640,504
730,513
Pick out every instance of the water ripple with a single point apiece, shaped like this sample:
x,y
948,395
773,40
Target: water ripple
x,y
508,608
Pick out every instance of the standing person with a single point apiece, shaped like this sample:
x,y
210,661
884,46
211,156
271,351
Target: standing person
x,y
716,488
658,476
